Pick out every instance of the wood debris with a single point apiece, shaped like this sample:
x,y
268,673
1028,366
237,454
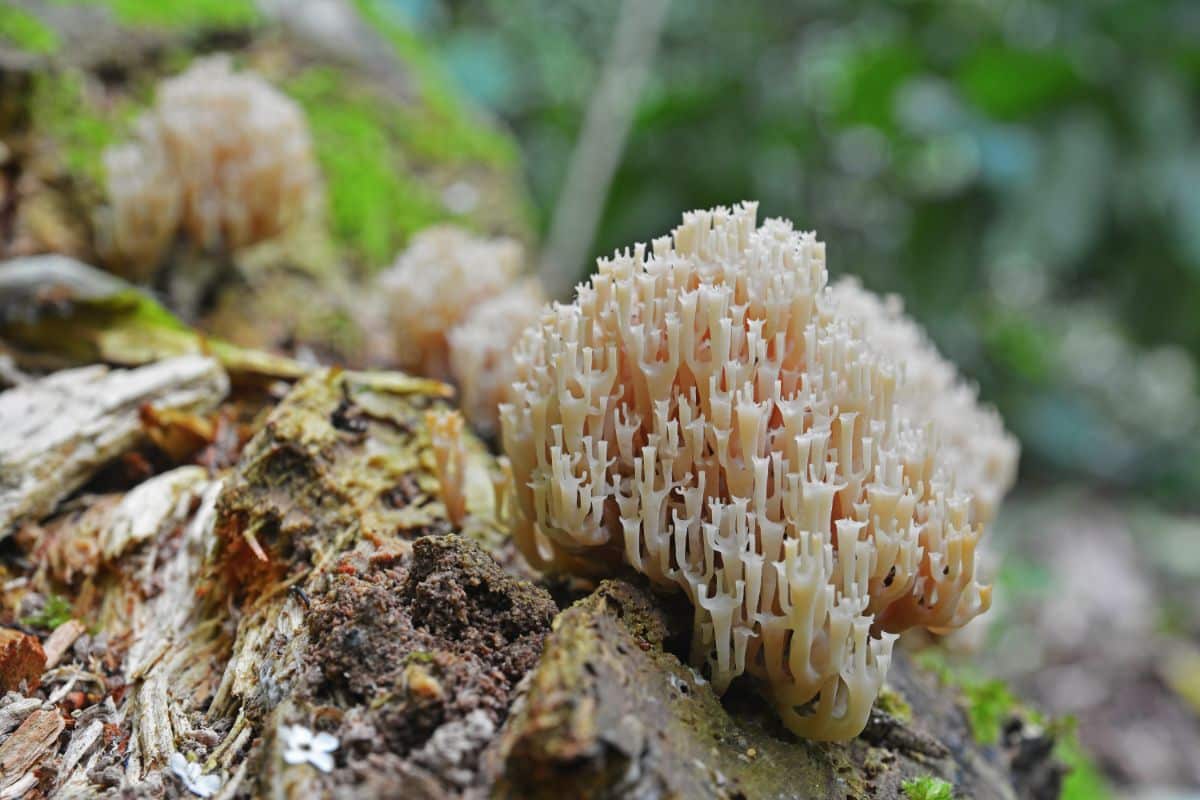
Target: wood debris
x,y
22,660
57,431
60,641
36,738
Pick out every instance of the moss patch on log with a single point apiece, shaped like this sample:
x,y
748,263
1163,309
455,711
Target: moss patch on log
x,y
608,711
375,204
398,146
994,711
77,128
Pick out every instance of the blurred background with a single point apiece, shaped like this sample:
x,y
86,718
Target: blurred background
x,y
1025,175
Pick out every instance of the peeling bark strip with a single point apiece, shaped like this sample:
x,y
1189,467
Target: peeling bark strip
x,y
57,431
60,640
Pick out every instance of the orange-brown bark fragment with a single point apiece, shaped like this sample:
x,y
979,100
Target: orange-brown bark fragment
x,y
22,660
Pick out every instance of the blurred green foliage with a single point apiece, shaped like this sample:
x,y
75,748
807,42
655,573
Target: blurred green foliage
x,y
21,29
1022,173
181,14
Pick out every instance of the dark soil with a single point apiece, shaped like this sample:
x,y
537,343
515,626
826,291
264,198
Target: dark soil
x,y
439,636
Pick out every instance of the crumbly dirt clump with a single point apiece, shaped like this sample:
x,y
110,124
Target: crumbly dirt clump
x,y
436,639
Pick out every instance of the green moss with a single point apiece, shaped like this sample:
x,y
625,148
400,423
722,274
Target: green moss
x,y
442,127
934,660
419,657
892,702
989,703
19,27
61,112
374,201
180,14
56,611
1084,781
927,788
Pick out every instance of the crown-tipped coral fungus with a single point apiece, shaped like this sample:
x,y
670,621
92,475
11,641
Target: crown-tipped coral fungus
x,y
797,459
450,458
436,284
481,350
222,155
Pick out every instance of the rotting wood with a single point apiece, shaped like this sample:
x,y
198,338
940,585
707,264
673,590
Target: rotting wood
x,y
14,708
57,431
609,713
219,651
364,619
31,742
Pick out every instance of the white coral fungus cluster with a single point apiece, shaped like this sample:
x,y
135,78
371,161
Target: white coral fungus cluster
x,y
222,156
439,280
458,305
797,459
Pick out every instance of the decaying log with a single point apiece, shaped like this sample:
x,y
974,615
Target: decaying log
x,y
56,432
324,501
57,311
320,583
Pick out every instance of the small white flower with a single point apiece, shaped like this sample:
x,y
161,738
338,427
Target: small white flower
x,y
189,772
302,746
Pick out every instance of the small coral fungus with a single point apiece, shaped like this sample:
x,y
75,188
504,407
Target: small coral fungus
x,y
481,350
796,458
222,156
436,284
450,457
